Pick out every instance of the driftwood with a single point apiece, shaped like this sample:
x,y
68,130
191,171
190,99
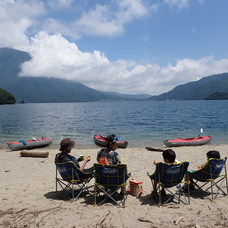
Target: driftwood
x,y
30,153
155,149
100,223
144,220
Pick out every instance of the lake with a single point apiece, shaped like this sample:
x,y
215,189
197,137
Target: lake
x,y
141,123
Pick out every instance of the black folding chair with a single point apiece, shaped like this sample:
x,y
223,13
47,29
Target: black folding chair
x,y
108,180
210,178
168,176
71,177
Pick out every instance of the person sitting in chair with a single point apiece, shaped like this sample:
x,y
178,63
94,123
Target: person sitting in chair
x,y
108,155
169,157
66,145
210,155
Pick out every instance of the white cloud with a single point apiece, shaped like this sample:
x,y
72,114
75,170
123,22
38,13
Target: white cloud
x,y
100,21
54,56
16,17
103,20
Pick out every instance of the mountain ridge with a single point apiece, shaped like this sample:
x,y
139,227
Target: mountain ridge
x,y
42,89
197,90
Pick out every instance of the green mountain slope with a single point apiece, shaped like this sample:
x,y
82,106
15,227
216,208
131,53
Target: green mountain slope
x,y
6,97
197,90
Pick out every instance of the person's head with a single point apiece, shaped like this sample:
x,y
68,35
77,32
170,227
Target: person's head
x,y
66,145
213,154
169,156
111,139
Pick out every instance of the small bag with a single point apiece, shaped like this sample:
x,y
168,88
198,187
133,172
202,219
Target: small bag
x,y
135,188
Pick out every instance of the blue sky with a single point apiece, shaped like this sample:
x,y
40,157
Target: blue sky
x,y
126,46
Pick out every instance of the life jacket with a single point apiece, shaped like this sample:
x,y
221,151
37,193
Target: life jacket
x,y
103,157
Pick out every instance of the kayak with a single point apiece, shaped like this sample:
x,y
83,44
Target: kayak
x,y
100,141
197,141
29,144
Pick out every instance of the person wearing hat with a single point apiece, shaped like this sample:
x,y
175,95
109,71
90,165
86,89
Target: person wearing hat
x,y
66,145
108,155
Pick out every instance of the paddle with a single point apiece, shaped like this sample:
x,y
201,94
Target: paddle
x,y
201,132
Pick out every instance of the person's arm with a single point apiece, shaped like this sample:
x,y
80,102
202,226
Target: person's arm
x,y
87,159
202,166
98,155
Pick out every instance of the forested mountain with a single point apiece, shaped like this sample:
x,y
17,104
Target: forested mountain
x,y
198,90
42,89
6,97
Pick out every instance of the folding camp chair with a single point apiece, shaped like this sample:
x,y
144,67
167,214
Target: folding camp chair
x,y
168,176
108,180
72,178
211,177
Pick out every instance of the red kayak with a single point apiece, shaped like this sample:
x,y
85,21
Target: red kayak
x,y
100,141
197,141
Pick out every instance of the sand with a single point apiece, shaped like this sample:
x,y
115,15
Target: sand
x,y
28,199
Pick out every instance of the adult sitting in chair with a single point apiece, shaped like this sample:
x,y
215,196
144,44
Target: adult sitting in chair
x,y
65,147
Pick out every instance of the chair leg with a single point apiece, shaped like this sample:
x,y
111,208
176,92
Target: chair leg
x,y
56,185
159,195
226,185
72,187
212,192
95,195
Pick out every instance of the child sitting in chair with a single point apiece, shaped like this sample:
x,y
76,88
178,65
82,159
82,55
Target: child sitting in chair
x,y
210,154
169,157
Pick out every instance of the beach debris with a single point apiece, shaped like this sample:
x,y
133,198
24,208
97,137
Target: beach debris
x,y
173,207
27,218
177,220
154,149
141,219
100,223
38,154
198,212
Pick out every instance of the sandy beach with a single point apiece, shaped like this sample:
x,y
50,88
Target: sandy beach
x,y
28,199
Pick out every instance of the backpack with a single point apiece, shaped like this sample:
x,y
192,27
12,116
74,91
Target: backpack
x,y
103,157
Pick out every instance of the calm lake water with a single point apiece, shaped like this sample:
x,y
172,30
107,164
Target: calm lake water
x,y
141,123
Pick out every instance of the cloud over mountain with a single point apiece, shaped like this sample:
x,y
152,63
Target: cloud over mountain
x,y
54,44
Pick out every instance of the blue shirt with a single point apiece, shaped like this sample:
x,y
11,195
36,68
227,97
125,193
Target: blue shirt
x,y
60,157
